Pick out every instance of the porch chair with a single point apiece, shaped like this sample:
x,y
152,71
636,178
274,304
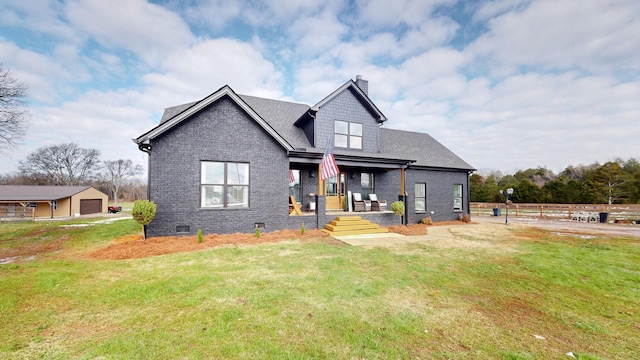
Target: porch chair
x,y
377,205
358,203
294,207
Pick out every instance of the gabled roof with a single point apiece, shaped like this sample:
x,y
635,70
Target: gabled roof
x,y
281,115
380,118
426,150
279,118
183,112
38,193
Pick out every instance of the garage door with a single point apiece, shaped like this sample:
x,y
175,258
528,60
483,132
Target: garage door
x,y
90,206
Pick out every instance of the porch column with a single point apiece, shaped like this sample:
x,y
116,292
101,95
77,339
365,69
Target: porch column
x,y
320,181
321,211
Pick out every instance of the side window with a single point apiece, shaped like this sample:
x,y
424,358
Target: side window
x,y
421,197
224,184
295,189
457,197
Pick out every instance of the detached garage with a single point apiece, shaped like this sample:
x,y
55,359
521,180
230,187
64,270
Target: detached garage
x,y
52,201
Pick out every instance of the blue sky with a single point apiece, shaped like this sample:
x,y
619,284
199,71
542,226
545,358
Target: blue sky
x,y
505,84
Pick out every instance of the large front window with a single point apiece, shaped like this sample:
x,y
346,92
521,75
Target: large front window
x,y
224,184
348,135
457,197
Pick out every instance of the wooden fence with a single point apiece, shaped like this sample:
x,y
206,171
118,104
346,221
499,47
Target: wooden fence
x,y
14,213
616,212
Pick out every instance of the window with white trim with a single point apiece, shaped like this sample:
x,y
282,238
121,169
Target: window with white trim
x,y
420,196
224,184
457,197
347,135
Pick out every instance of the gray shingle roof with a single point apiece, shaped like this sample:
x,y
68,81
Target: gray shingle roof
x,y
175,110
394,144
38,193
281,115
426,150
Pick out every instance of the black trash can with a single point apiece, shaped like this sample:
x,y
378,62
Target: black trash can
x,y
496,211
604,217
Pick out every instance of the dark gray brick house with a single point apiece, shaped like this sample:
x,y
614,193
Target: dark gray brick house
x,y
223,164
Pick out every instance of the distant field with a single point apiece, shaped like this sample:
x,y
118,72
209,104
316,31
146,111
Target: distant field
x,y
499,293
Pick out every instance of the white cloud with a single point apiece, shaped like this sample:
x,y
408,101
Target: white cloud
x,y
389,13
564,34
315,35
38,16
147,30
193,73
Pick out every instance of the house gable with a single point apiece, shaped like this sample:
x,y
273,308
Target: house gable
x,y
220,132
348,105
189,110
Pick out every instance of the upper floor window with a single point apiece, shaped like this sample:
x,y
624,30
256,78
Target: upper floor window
x,y
457,197
224,184
348,135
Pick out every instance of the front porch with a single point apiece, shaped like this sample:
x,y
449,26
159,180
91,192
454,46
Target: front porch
x,y
322,216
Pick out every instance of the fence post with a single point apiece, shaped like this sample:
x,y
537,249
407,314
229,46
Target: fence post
x,y
541,207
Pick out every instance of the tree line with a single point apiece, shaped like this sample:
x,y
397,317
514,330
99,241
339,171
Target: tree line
x,y
615,182
70,164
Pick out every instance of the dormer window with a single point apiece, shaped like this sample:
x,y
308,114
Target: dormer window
x,y
348,135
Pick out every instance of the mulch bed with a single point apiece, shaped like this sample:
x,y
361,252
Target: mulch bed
x,y
134,247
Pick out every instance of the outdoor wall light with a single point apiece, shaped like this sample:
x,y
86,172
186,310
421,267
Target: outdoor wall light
x,y
506,202
312,174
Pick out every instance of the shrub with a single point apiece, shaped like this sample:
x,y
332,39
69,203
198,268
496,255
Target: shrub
x,y
200,238
398,207
257,232
426,221
302,229
143,212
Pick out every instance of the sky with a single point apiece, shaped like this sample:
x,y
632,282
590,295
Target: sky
x,y
507,84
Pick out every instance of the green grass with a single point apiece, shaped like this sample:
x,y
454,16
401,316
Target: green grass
x,y
320,300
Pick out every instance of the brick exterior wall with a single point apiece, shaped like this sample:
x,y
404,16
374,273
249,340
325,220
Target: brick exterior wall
x,y
221,132
439,194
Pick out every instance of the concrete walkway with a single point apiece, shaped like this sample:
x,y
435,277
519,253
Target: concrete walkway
x,y
391,239
444,233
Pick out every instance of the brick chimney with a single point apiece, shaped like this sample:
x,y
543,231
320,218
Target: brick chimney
x,y
362,84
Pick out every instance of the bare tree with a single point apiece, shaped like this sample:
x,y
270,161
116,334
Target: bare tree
x,y
64,164
14,116
115,173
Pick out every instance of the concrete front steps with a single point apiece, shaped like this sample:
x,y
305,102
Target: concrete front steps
x,y
352,225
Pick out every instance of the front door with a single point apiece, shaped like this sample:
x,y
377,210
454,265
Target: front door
x,y
335,190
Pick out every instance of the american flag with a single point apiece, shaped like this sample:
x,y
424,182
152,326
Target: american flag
x,y
292,178
329,166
